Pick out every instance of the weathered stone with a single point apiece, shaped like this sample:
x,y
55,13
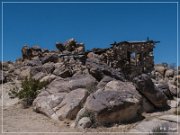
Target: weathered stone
x,y
39,76
48,67
82,81
85,122
170,117
160,69
82,113
92,55
71,104
155,125
48,78
115,103
174,90
62,71
25,73
147,106
44,69
80,49
169,73
59,85
26,52
51,58
173,103
164,87
146,87
46,103
33,63
104,81
103,68
177,80
8,98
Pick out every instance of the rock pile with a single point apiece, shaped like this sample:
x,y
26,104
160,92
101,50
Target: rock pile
x,y
87,90
167,79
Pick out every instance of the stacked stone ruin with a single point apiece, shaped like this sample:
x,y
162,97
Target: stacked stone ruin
x,y
132,58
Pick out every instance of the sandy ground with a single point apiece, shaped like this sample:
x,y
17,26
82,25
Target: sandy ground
x,y
17,121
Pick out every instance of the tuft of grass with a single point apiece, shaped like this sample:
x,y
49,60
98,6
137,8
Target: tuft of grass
x,y
30,89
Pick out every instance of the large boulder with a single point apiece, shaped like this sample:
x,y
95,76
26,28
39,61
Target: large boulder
x,y
119,102
82,81
63,98
69,84
147,88
71,104
99,69
45,103
59,85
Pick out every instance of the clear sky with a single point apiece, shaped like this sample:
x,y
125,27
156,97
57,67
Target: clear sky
x,y
97,25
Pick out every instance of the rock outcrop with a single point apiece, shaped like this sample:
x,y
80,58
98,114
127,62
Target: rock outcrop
x,y
94,88
118,102
146,87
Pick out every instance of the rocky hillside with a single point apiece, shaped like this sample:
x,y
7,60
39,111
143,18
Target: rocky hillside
x,y
86,90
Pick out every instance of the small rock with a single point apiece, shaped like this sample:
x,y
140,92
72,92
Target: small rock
x,y
85,122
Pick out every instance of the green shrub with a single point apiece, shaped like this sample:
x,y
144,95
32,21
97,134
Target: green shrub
x,y
29,91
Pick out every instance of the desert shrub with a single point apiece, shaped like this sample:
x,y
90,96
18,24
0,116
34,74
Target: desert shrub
x,y
29,91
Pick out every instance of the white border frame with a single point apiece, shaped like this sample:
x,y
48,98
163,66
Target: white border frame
x,y
2,15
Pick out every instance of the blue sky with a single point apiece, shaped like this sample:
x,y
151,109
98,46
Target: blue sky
x,y
97,25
